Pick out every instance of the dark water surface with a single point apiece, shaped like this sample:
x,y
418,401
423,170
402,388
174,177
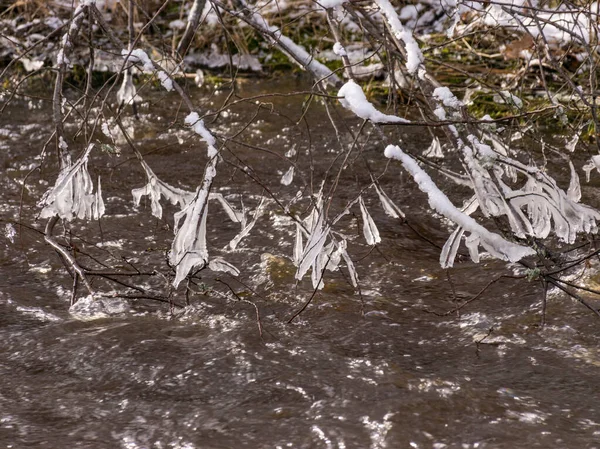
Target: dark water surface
x,y
376,370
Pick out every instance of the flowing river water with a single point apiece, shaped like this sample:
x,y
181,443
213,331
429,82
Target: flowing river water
x,y
375,370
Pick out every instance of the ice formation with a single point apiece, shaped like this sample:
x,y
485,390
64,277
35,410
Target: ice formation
x,y
73,193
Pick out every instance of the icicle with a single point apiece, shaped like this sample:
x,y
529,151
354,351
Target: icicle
x,y
287,179
235,216
450,248
435,150
370,230
351,269
73,193
388,205
218,264
127,93
313,248
298,245
472,243
316,275
574,191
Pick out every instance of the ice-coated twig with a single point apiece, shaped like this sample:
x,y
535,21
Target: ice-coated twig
x,y
62,61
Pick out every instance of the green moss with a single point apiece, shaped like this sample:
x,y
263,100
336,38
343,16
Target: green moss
x,y
484,104
277,61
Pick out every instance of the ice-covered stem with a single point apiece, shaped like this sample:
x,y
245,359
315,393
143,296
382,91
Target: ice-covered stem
x,y
336,35
189,249
61,64
438,201
293,51
190,29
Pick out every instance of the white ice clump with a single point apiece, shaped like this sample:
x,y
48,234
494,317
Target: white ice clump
x,y
438,201
354,99
339,50
62,144
572,144
165,80
9,232
557,27
447,98
73,193
331,3
177,24
315,254
89,308
138,55
512,99
31,65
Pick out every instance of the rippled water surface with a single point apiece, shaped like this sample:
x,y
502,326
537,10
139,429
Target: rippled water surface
x,y
372,370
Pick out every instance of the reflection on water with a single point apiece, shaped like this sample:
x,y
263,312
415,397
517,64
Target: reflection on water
x,y
379,370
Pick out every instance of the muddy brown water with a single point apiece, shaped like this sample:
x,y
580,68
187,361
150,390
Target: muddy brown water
x,y
375,370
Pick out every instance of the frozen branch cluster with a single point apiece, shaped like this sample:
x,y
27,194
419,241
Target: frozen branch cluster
x,y
323,249
511,206
73,193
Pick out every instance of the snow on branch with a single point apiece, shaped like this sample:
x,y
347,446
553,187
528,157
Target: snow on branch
x,y
493,243
73,193
414,56
295,52
140,57
354,99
